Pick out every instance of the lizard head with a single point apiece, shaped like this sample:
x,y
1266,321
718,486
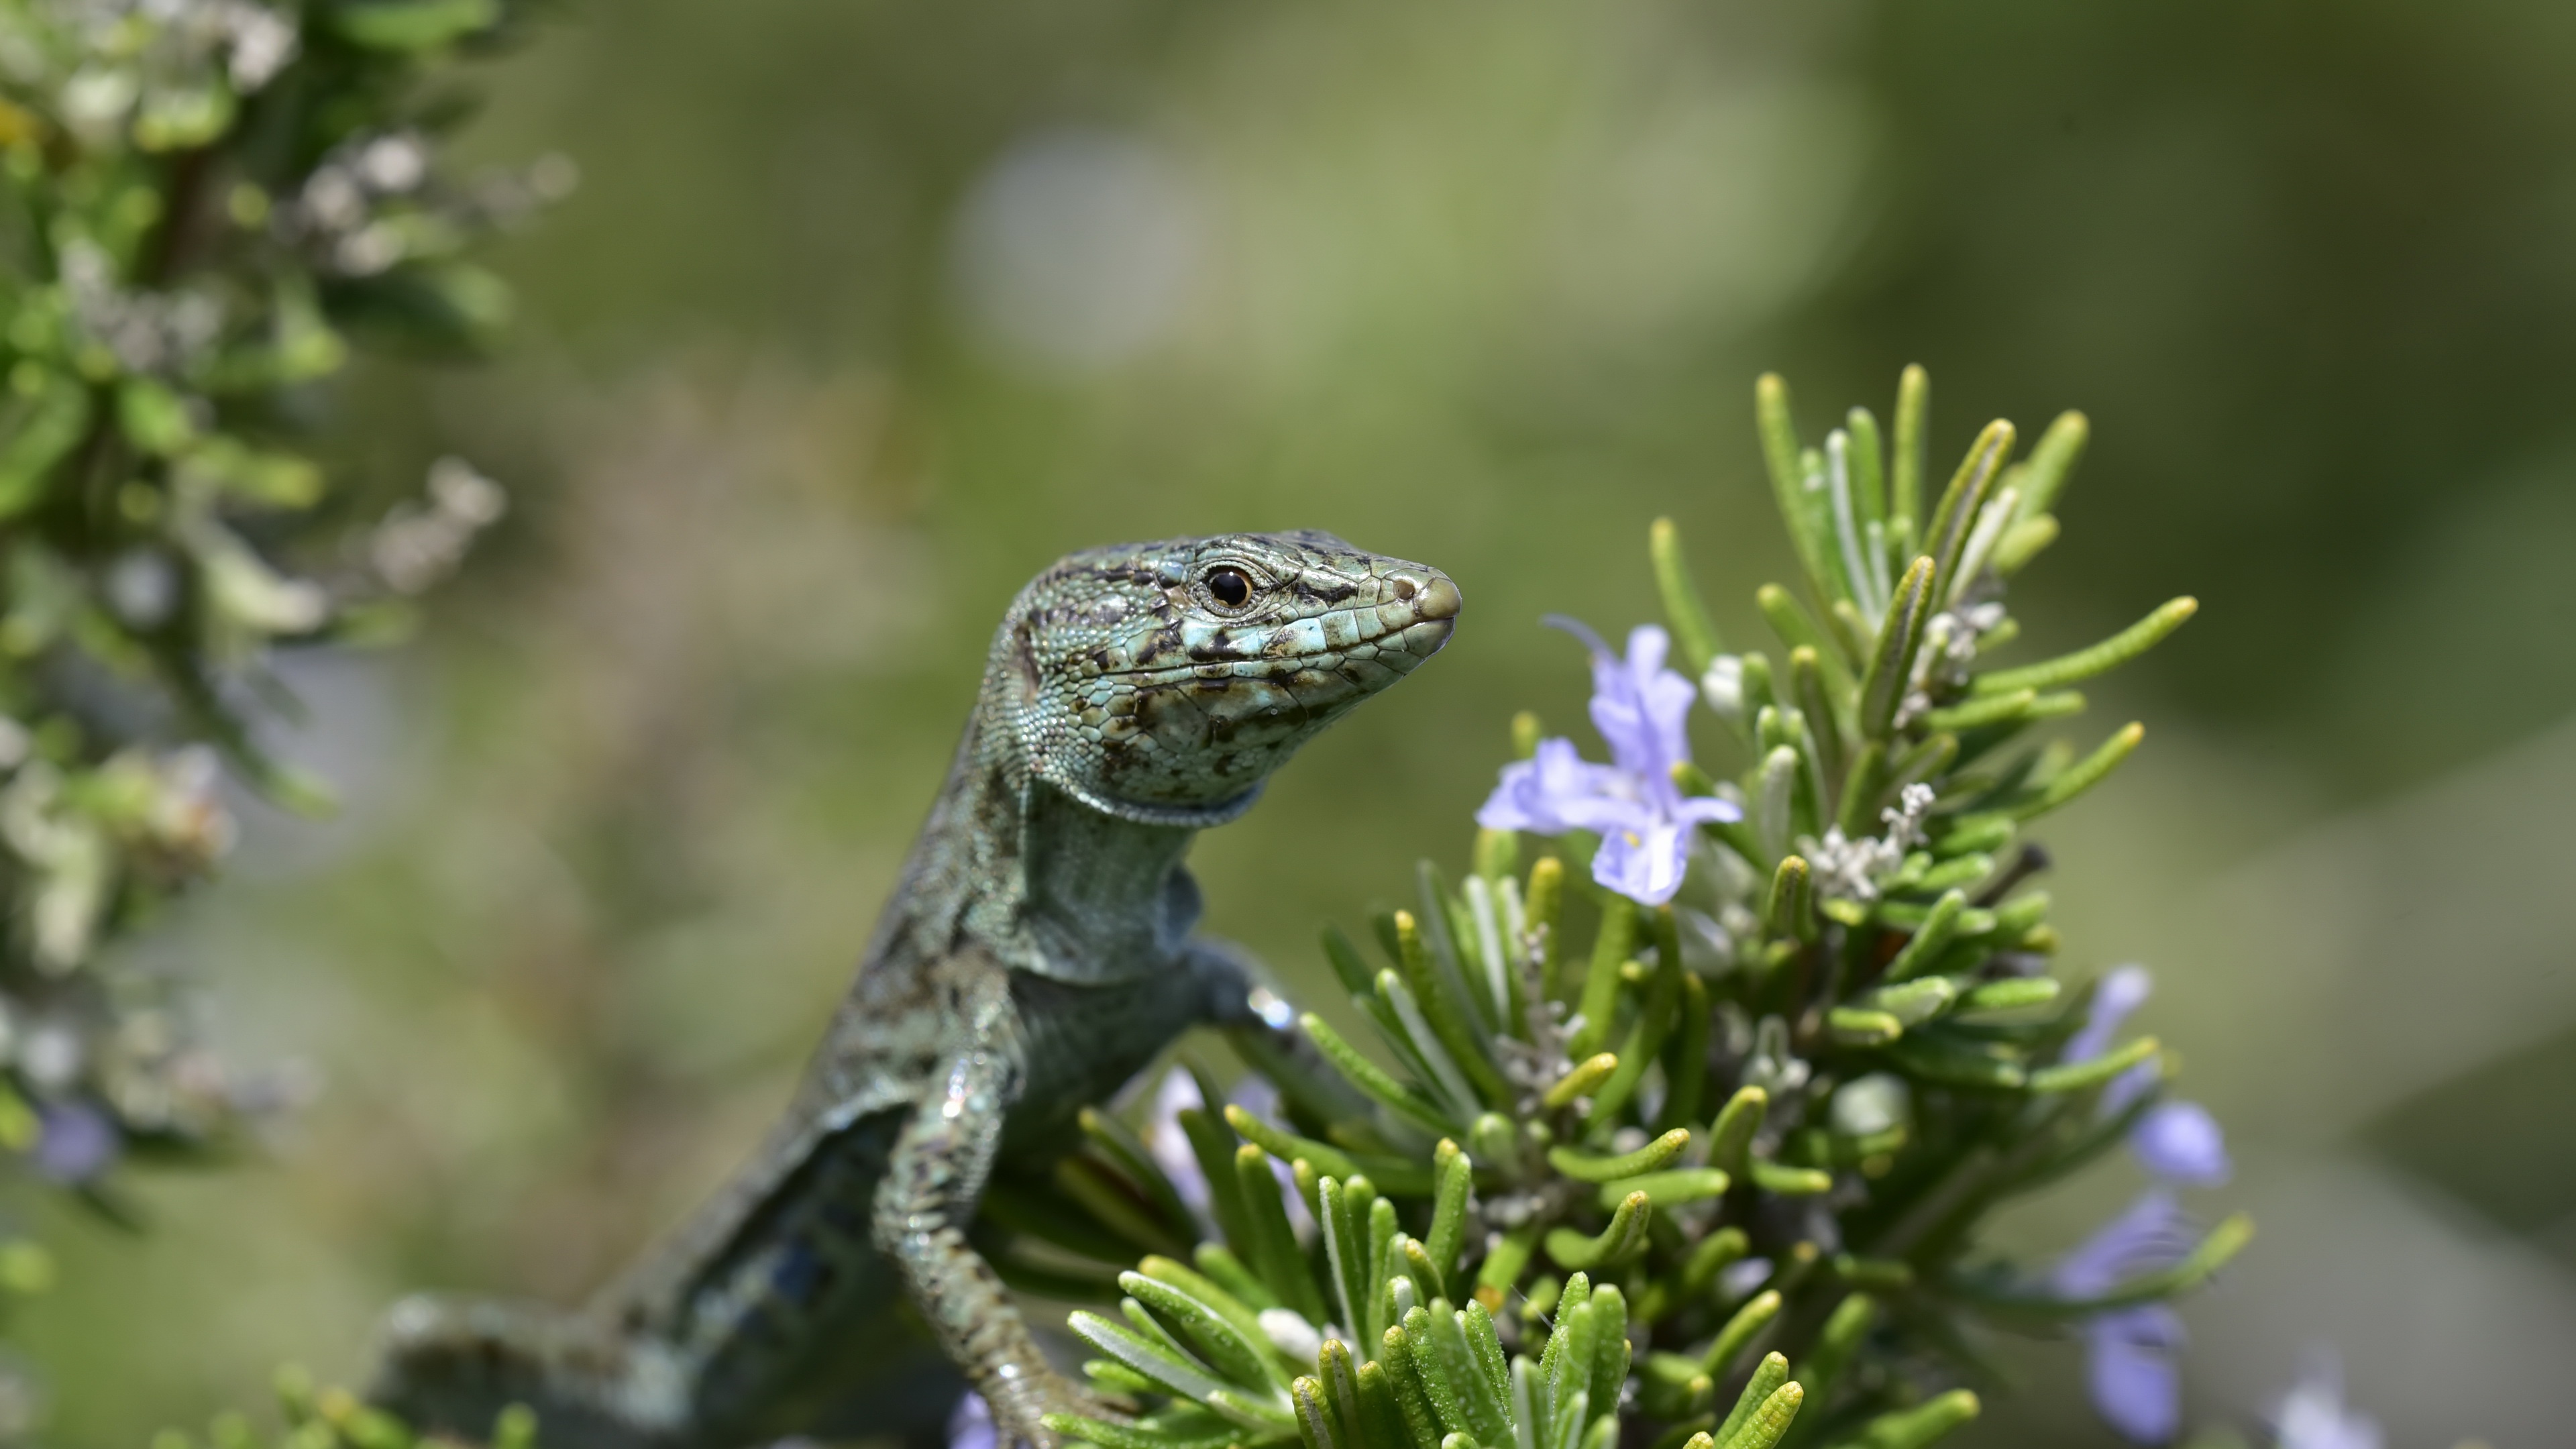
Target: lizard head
x,y
1163,682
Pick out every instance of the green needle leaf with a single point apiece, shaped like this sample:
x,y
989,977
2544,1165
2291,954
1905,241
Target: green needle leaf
x,y
1415,1035
1525,735
1961,503
1905,479
1451,1018
1682,607
1739,1333
1394,1174
1711,1257
1404,1378
1403,1100
1731,1134
1610,947
1807,686
1934,1058
1891,661
1504,1263
1913,1428
1449,1215
1786,463
1615,1244
1443,1382
1668,1189
1771,1421
1781,1181
1856,1026
1586,1167
1841,1338
1242,1360
2082,776
1135,1436
1118,1141
2010,995
1587,1074
2222,1244
1353,972
1868,467
2110,654
1274,1244
1314,1419
1208,1294
1784,911
2076,1076
1915,1002
1609,1356
1799,630
1182,1380
2052,462
1768,1378
1385,1421
2016,707
2020,544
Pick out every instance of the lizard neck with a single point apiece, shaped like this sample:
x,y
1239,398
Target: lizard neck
x,y
1041,879
1105,898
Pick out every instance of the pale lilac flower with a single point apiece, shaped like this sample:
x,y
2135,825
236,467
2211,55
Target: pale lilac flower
x,y
1170,1146
2133,1371
1644,821
2180,1142
2313,1415
76,1142
2123,991
2177,1141
970,1424
2131,1353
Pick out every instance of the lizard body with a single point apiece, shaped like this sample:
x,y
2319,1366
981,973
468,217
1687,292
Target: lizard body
x,y
1036,953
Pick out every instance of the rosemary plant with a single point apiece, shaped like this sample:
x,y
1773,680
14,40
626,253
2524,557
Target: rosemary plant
x,y
1681,1112
203,203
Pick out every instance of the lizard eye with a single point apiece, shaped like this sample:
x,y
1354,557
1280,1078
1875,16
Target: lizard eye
x,y
1228,586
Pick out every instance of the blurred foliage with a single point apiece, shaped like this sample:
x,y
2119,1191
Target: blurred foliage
x,y
203,200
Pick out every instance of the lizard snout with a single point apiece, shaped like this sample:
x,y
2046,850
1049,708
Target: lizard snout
x,y
1433,594
1430,598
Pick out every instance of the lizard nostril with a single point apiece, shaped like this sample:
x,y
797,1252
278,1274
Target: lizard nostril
x,y
1404,589
1436,599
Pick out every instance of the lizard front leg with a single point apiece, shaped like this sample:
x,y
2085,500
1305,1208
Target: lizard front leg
x,y
934,1176
1237,998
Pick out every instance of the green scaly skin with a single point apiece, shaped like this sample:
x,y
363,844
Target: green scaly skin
x,y
1036,954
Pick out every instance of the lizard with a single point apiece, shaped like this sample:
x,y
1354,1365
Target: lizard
x,y
1037,951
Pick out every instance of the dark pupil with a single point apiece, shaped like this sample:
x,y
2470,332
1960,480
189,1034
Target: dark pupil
x,y
1229,587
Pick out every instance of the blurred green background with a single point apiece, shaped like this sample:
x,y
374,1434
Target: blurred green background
x,y
866,311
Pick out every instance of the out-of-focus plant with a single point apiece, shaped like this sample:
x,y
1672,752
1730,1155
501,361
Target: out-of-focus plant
x,y
1743,1141
203,203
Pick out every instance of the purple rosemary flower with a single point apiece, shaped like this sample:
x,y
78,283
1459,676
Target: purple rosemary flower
x,y
1170,1146
2177,1141
2181,1143
2131,1353
2313,1415
1644,821
970,1424
76,1142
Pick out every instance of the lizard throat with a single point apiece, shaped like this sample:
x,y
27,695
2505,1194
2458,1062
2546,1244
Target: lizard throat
x,y
1182,817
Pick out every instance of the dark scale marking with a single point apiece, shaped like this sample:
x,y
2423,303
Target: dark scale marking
x,y
1035,955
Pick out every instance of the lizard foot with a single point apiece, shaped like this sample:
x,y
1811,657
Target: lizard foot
x,y
1021,1404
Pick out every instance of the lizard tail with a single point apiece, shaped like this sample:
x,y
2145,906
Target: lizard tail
x,y
451,1365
